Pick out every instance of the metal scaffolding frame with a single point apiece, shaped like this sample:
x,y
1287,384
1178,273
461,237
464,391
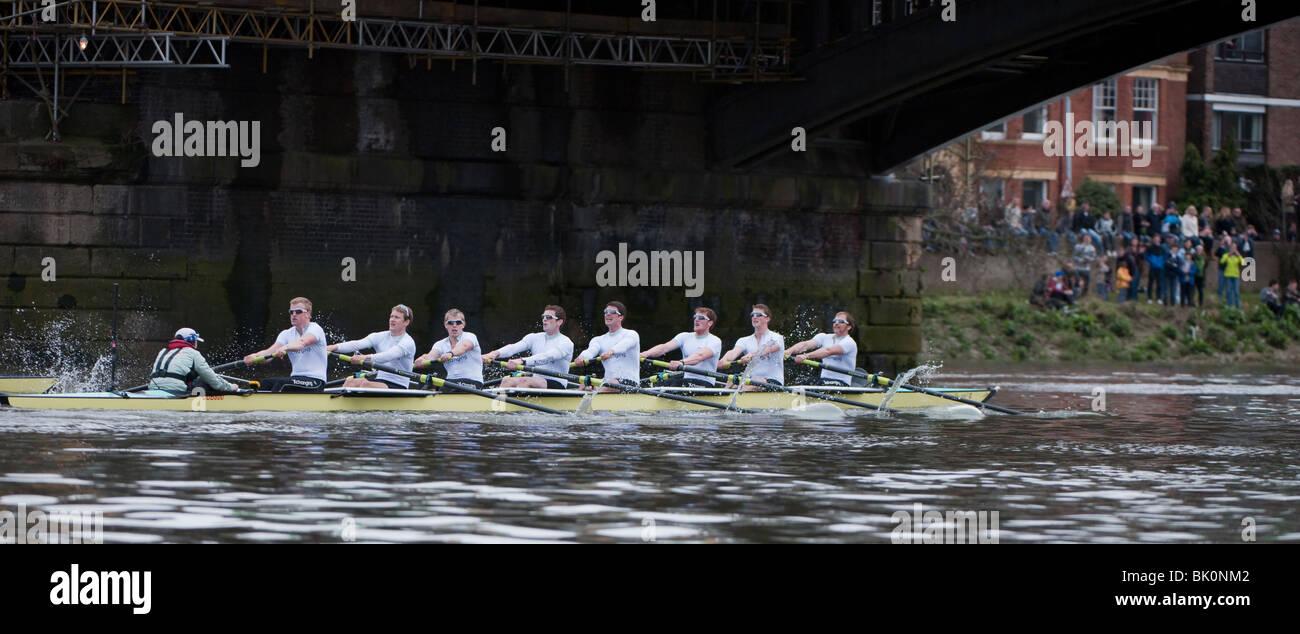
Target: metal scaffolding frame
x,y
116,51
739,59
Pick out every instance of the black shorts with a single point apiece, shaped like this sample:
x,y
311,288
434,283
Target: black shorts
x,y
552,384
831,382
763,388
291,384
393,386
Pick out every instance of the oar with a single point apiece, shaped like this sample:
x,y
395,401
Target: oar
x,y
338,382
734,378
885,381
588,380
425,378
218,368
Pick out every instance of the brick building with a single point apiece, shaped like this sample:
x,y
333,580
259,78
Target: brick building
x,y
1251,85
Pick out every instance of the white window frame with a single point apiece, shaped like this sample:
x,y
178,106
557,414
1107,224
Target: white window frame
x,y
1153,108
1238,110
1099,100
1037,204
1146,203
1036,136
993,133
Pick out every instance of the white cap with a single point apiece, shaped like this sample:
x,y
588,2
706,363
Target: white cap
x,y
188,334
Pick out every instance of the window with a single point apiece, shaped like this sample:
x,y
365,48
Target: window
x,y
1033,193
1248,126
1247,48
1144,195
1035,124
1103,106
1146,102
998,131
991,191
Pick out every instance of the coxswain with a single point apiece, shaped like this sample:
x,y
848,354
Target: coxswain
x,y
180,368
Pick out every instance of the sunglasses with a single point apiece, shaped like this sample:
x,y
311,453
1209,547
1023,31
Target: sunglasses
x,y
546,316
612,311
296,311
455,322
698,316
402,307
837,320
757,314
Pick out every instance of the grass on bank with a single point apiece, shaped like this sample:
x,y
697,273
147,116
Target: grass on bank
x,y
1005,327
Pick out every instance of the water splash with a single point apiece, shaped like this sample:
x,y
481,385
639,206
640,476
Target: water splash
x,y
925,371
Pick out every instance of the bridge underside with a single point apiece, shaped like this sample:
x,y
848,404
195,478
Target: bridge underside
x,y
907,87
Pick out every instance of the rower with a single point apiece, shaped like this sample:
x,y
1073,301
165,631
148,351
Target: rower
x,y
393,348
700,350
761,350
180,367
459,353
837,348
617,350
303,342
548,350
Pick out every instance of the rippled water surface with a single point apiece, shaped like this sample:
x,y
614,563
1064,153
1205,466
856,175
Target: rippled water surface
x,y
1174,457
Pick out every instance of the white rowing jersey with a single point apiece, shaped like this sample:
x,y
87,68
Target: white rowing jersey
x,y
551,352
466,366
394,352
847,360
690,343
312,360
625,364
768,368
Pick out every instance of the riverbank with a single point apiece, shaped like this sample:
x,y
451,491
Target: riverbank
x,y
1005,327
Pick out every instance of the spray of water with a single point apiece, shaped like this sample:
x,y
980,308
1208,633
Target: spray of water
x,y
925,371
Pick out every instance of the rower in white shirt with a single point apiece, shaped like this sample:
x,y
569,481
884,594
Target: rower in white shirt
x,y
700,349
393,348
548,350
836,348
304,343
761,350
459,352
618,349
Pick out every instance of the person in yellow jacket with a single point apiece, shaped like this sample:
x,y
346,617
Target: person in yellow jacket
x,y
1231,262
1122,280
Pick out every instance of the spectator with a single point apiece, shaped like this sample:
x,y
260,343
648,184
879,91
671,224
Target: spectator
x,y
1171,226
1132,259
1153,221
1224,222
1292,294
1190,223
1155,258
1084,254
1221,250
1126,225
1291,233
1231,262
1062,228
1251,233
1106,227
1059,293
1173,267
1123,278
1238,221
1200,261
1269,297
1029,220
1103,277
1011,216
1187,273
1206,221
1245,244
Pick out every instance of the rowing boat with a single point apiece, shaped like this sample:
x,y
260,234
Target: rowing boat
x,y
367,399
26,384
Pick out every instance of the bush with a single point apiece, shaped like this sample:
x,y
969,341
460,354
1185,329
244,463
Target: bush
x,y
1121,326
1219,338
1170,333
1026,340
1083,323
1260,314
1198,347
1275,335
1154,346
1231,317
1075,348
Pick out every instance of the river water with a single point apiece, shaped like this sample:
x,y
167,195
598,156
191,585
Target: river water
x,y
1172,456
